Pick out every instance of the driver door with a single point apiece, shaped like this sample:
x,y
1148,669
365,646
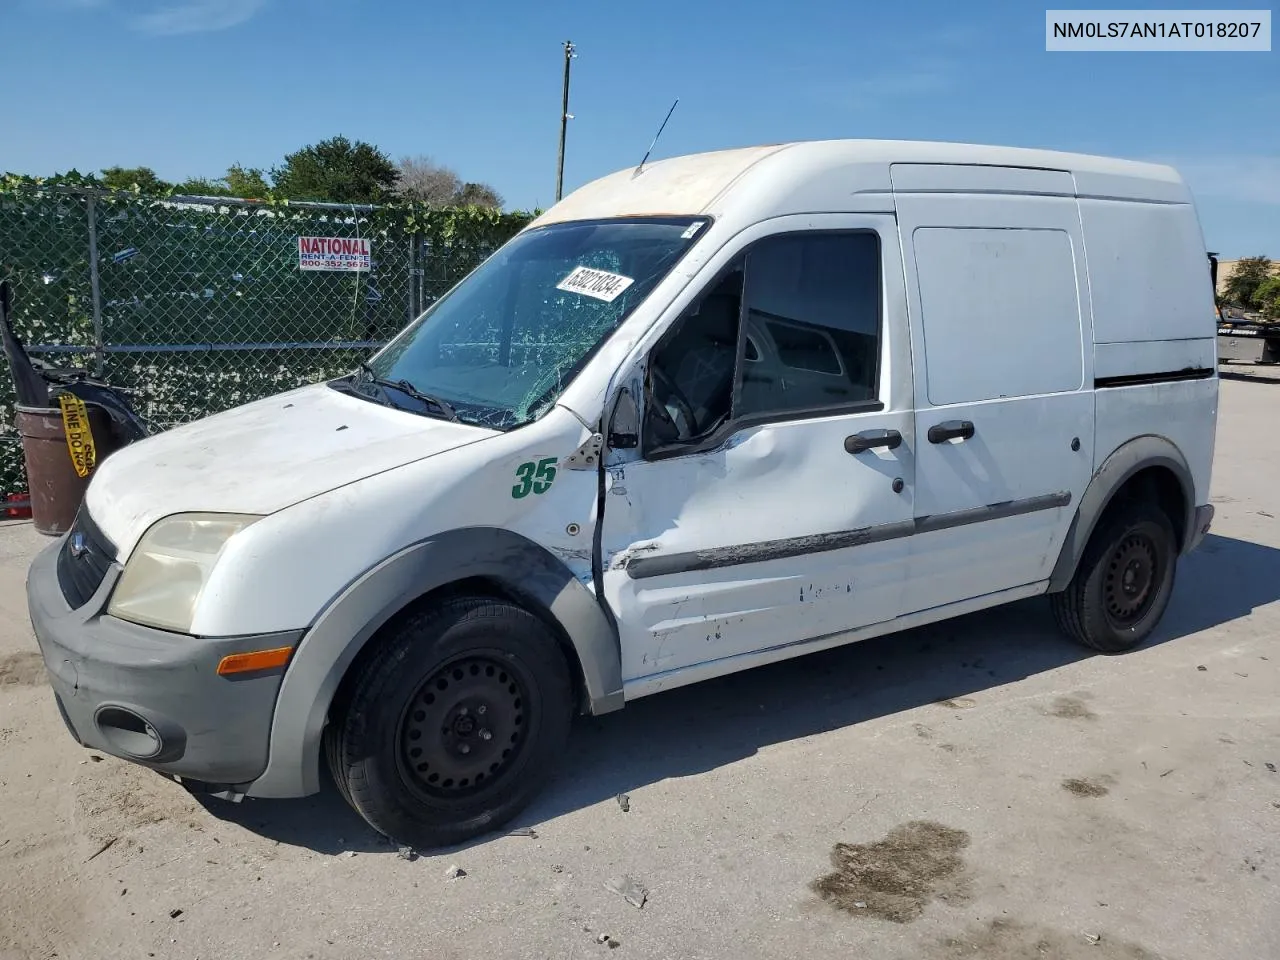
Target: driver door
x,y
770,500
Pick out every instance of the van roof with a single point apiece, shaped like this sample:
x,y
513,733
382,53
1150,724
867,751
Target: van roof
x,y
700,183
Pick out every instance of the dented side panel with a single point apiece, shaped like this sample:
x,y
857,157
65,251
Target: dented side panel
x,y
759,537
785,480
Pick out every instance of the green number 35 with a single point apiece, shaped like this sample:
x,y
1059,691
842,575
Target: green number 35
x,y
534,477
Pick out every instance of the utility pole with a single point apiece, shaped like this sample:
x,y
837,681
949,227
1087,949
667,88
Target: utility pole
x,y
565,117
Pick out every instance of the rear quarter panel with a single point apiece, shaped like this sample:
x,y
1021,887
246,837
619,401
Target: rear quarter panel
x,y
1183,412
1152,300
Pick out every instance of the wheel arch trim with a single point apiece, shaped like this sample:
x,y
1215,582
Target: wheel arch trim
x,y
342,630
1121,465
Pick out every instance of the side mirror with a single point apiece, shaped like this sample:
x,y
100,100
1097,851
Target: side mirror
x,y
624,422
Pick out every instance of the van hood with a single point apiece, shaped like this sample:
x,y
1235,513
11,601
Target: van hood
x,y
260,458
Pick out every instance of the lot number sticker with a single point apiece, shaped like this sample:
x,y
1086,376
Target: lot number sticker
x,y
534,478
600,284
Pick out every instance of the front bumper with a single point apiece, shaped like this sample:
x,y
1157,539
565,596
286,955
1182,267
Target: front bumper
x,y
148,695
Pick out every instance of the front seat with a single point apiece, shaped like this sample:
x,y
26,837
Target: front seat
x,y
705,373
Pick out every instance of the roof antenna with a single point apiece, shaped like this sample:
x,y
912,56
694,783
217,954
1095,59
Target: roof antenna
x,y
640,168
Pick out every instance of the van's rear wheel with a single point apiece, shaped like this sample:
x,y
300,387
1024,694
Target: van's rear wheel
x,y
452,726
1124,581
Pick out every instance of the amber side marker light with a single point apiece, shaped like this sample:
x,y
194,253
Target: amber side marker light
x,y
258,660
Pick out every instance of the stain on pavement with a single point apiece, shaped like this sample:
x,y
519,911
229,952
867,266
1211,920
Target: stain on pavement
x,y
1087,786
25,668
895,878
1012,940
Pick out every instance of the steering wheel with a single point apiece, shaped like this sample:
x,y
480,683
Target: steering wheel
x,y
676,395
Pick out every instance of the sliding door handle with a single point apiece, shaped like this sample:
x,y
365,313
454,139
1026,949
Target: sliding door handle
x,y
868,439
951,430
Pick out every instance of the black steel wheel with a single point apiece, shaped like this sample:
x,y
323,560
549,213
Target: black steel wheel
x,y
464,725
1130,580
453,724
1124,581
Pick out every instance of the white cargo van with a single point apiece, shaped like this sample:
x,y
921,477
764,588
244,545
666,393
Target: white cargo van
x,y
730,408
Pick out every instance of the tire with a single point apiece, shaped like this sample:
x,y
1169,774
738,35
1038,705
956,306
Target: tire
x,y
1124,581
454,723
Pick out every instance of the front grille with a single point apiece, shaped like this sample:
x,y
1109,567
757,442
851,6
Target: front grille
x,y
83,561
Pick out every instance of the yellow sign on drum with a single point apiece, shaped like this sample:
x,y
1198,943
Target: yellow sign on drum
x,y
75,420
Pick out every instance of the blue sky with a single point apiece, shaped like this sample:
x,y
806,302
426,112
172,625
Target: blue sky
x,y
190,86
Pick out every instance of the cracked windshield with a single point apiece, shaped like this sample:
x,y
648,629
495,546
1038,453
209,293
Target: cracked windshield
x,y
502,346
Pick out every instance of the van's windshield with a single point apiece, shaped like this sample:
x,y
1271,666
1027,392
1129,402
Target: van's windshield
x,y
500,347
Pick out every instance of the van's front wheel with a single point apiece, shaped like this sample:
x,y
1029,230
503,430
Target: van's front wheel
x,y
1124,581
451,727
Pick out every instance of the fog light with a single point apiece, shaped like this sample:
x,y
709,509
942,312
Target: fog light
x,y
128,732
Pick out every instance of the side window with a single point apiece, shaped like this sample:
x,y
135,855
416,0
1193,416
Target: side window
x,y
812,312
793,326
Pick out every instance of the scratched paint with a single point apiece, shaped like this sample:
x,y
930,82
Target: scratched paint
x,y
778,481
1005,460
617,479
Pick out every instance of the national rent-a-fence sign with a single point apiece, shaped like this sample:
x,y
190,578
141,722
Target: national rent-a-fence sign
x,y
335,253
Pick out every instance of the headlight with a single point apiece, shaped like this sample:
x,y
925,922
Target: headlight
x,y
170,566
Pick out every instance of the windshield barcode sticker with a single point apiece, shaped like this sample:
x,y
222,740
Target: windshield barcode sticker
x,y
600,284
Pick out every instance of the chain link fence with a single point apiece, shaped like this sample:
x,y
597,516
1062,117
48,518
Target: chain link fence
x,y
193,306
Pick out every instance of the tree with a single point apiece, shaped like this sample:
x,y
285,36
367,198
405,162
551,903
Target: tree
x,y
202,187
478,195
247,183
1267,297
1243,283
144,179
336,170
422,180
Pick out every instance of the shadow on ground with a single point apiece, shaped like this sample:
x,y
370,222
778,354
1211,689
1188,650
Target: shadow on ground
x,y
708,725
1255,375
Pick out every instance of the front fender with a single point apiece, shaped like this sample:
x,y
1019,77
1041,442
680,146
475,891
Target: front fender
x,y
1125,461
331,644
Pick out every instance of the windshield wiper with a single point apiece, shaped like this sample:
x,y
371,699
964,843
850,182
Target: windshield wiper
x,y
405,387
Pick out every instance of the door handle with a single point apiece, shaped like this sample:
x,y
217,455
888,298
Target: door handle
x,y
951,430
867,439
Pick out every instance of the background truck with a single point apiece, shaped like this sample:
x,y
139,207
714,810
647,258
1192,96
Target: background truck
x,y
1241,340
